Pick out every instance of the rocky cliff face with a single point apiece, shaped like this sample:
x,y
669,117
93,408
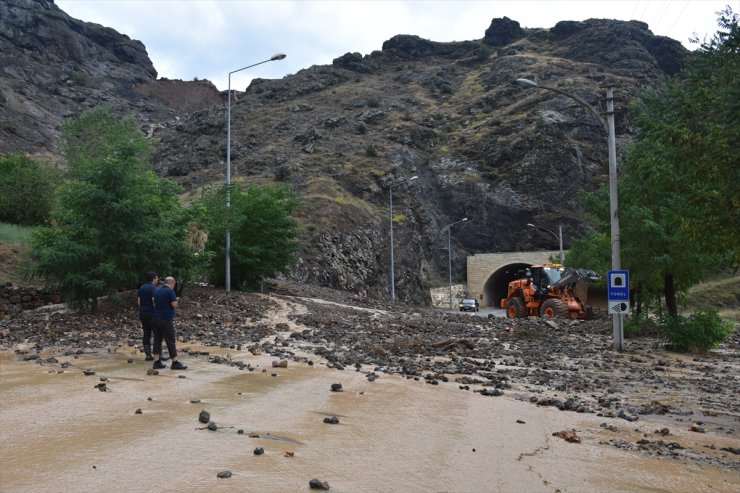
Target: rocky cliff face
x,y
341,135
53,67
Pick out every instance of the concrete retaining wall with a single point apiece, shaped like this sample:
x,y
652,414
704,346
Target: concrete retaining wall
x,y
441,296
16,298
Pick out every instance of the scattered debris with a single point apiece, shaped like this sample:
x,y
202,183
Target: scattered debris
x,y
568,436
317,484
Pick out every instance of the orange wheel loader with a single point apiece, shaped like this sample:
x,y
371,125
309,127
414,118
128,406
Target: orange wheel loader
x,y
549,291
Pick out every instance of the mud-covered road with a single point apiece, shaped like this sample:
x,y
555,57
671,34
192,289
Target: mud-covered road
x,y
689,401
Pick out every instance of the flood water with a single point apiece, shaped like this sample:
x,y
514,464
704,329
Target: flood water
x,y
59,433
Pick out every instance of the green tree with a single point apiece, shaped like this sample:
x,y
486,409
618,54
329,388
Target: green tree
x,y
263,235
678,192
114,219
26,190
593,250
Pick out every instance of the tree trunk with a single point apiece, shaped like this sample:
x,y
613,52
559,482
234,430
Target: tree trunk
x,y
669,292
637,293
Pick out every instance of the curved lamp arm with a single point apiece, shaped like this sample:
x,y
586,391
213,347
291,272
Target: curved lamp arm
x,y
579,100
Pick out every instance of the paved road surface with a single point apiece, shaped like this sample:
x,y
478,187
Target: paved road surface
x,y
484,312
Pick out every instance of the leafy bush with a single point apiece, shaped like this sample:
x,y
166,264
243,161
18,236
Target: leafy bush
x,y
482,54
631,327
373,102
370,151
405,78
446,89
282,172
79,78
492,174
399,218
26,190
643,326
263,234
700,332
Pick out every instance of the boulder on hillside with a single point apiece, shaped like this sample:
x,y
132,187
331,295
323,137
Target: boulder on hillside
x,y
502,32
353,62
407,46
626,45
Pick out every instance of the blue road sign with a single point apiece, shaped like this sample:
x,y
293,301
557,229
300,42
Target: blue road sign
x,y
618,288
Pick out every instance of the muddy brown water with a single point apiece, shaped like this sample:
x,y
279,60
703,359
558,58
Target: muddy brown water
x,y
59,433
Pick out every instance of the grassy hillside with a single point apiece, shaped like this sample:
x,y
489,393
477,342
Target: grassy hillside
x,y
14,246
721,293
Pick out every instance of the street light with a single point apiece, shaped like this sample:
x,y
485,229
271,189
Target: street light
x,y
279,56
393,272
449,252
608,125
558,237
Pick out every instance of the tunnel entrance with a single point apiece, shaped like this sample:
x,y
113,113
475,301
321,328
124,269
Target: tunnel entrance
x,y
489,274
497,286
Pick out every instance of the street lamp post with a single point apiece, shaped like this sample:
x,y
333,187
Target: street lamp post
x,y
390,195
558,237
227,282
449,253
608,125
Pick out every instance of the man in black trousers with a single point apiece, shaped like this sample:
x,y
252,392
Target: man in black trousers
x,y
145,299
165,305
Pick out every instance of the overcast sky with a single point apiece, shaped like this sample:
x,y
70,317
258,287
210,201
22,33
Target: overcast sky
x,y
208,39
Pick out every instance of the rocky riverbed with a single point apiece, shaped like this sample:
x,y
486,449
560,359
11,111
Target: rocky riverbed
x,y
568,365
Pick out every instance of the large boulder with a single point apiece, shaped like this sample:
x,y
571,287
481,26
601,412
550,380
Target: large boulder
x,y
502,32
406,46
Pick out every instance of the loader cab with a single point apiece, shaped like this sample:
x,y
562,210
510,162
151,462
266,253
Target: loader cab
x,y
543,276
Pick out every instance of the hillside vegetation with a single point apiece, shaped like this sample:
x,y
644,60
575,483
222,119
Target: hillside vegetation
x,y
721,293
14,248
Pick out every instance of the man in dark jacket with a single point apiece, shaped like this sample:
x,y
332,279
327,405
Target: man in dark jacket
x,y
165,305
145,299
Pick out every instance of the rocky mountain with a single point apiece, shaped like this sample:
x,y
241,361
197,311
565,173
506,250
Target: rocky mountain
x,y
341,135
53,67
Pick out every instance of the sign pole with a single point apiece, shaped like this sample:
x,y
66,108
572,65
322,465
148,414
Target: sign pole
x,y
618,296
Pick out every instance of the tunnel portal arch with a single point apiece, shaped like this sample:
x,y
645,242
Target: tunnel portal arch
x,y
489,274
497,286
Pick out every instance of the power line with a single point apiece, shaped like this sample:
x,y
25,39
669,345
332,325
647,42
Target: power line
x,y
647,4
686,4
662,12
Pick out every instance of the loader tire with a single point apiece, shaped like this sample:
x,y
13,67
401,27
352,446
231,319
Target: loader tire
x,y
554,308
515,308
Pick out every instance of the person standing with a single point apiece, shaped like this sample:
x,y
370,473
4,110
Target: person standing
x,y
165,306
145,300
